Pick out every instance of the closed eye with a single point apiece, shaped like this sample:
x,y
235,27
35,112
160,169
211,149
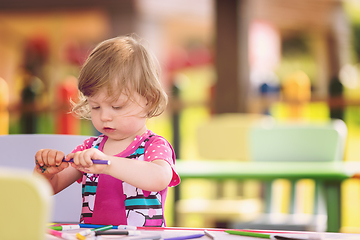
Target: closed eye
x,y
116,107
94,108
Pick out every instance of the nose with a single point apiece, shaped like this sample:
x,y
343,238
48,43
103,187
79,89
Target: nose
x,y
105,115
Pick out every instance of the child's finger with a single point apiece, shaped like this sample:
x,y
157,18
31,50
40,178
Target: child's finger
x,y
80,158
76,158
87,158
45,156
52,160
59,157
69,156
62,166
38,158
39,163
82,161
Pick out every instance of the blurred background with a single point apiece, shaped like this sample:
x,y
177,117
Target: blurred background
x,y
228,56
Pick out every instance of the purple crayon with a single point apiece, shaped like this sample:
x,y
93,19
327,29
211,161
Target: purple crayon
x,y
95,161
107,162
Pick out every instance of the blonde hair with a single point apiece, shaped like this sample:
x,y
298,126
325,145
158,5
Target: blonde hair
x,y
122,65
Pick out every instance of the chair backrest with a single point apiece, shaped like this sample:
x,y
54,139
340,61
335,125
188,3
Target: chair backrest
x,y
25,201
225,136
293,141
271,141
18,151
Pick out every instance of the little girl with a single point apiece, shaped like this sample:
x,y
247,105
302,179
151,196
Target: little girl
x,y
119,89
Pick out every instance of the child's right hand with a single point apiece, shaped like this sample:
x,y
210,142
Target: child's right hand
x,y
49,162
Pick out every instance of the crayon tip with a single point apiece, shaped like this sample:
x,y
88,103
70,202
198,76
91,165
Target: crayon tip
x,y
80,237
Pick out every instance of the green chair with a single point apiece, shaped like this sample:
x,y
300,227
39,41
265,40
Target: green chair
x,y
300,142
211,202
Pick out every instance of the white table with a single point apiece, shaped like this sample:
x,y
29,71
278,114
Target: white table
x,y
220,235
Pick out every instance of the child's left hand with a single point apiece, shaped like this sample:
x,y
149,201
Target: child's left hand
x,y
83,160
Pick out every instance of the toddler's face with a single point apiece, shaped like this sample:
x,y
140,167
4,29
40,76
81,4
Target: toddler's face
x,y
119,119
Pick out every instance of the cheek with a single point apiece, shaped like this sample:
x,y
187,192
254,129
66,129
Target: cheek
x,y
133,122
95,118
93,114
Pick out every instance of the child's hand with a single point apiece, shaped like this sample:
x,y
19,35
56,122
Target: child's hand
x,y
83,160
49,161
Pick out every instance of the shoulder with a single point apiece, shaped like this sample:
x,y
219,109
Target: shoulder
x,y
151,136
158,140
159,147
154,139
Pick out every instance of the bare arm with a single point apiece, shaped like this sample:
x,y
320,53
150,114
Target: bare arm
x,y
64,179
149,176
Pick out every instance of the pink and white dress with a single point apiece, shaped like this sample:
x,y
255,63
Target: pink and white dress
x,y
107,200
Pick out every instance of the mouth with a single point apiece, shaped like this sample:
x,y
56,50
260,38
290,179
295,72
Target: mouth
x,y
108,129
